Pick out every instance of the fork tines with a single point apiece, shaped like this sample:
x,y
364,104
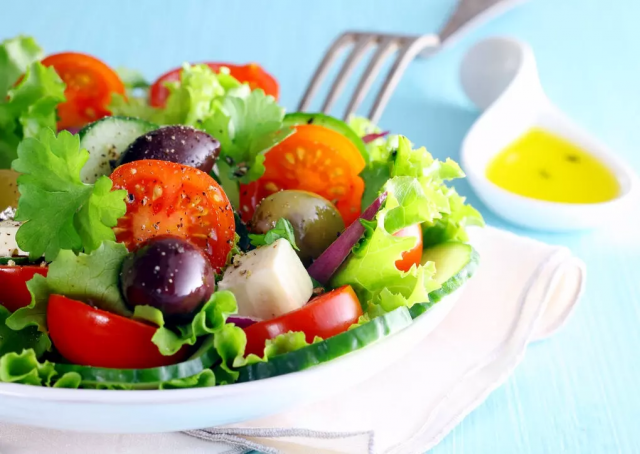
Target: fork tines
x,y
406,48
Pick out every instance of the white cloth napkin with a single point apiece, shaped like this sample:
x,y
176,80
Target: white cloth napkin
x,y
523,291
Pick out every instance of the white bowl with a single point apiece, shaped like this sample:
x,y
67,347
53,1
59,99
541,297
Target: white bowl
x,y
500,75
104,411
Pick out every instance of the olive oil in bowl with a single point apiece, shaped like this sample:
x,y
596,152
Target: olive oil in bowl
x,y
543,166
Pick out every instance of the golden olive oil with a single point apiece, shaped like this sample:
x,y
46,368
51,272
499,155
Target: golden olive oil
x,y
544,166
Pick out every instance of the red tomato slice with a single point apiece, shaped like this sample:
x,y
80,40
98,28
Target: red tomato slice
x,y
251,74
414,255
324,316
90,83
169,198
88,336
13,285
314,159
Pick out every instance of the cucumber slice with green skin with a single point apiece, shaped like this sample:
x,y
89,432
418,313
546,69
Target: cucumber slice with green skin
x,y
105,140
455,264
205,357
339,126
16,261
329,349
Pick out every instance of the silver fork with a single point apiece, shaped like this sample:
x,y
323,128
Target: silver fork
x,y
467,14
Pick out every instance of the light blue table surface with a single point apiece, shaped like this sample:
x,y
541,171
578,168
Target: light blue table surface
x,y
578,392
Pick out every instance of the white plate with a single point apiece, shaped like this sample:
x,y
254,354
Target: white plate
x,y
107,411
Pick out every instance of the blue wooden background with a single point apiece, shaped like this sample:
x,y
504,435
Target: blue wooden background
x,y
576,393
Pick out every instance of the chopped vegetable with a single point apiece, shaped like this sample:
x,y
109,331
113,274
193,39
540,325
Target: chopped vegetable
x,y
29,94
88,336
314,159
327,350
13,282
324,316
328,263
92,278
282,229
251,74
168,198
16,341
59,210
89,85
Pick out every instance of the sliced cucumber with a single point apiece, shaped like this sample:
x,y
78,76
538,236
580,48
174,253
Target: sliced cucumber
x,y
300,118
105,140
329,349
20,260
455,264
205,357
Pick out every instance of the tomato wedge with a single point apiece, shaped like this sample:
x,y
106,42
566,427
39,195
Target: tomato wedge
x,y
414,255
251,74
90,83
324,316
88,336
314,159
13,285
168,198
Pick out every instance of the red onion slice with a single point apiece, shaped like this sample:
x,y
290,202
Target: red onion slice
x,y
242,321
373,136
330,260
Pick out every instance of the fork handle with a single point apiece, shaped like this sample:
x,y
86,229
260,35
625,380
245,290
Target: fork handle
x,y
468,14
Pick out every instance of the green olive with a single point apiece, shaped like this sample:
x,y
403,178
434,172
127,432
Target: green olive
x,y
316,221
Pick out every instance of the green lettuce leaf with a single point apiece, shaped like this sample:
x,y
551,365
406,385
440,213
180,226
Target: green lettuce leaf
x,y
247,127
25,368
282,229
395,162
132,79
91,278
16,54
25,339
209,320
204,379
452,226
61,212
30,105
371,270
28,108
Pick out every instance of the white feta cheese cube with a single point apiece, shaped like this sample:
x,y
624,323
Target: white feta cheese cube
x,y
269,281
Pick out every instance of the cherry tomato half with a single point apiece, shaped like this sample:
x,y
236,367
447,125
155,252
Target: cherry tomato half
x,y
13,285
324,316
413,255
251,74
314,159
90,83
88,336
168,198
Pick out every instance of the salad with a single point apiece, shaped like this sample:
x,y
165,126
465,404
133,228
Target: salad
x,y
189,233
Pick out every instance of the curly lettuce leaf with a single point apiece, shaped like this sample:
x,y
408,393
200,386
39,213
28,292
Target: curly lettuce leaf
x,y
25,339
371,270
282,229
16,54
28,108
394,161
209,320
452,226
25,368
247,127
92,278
195,97
59,210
